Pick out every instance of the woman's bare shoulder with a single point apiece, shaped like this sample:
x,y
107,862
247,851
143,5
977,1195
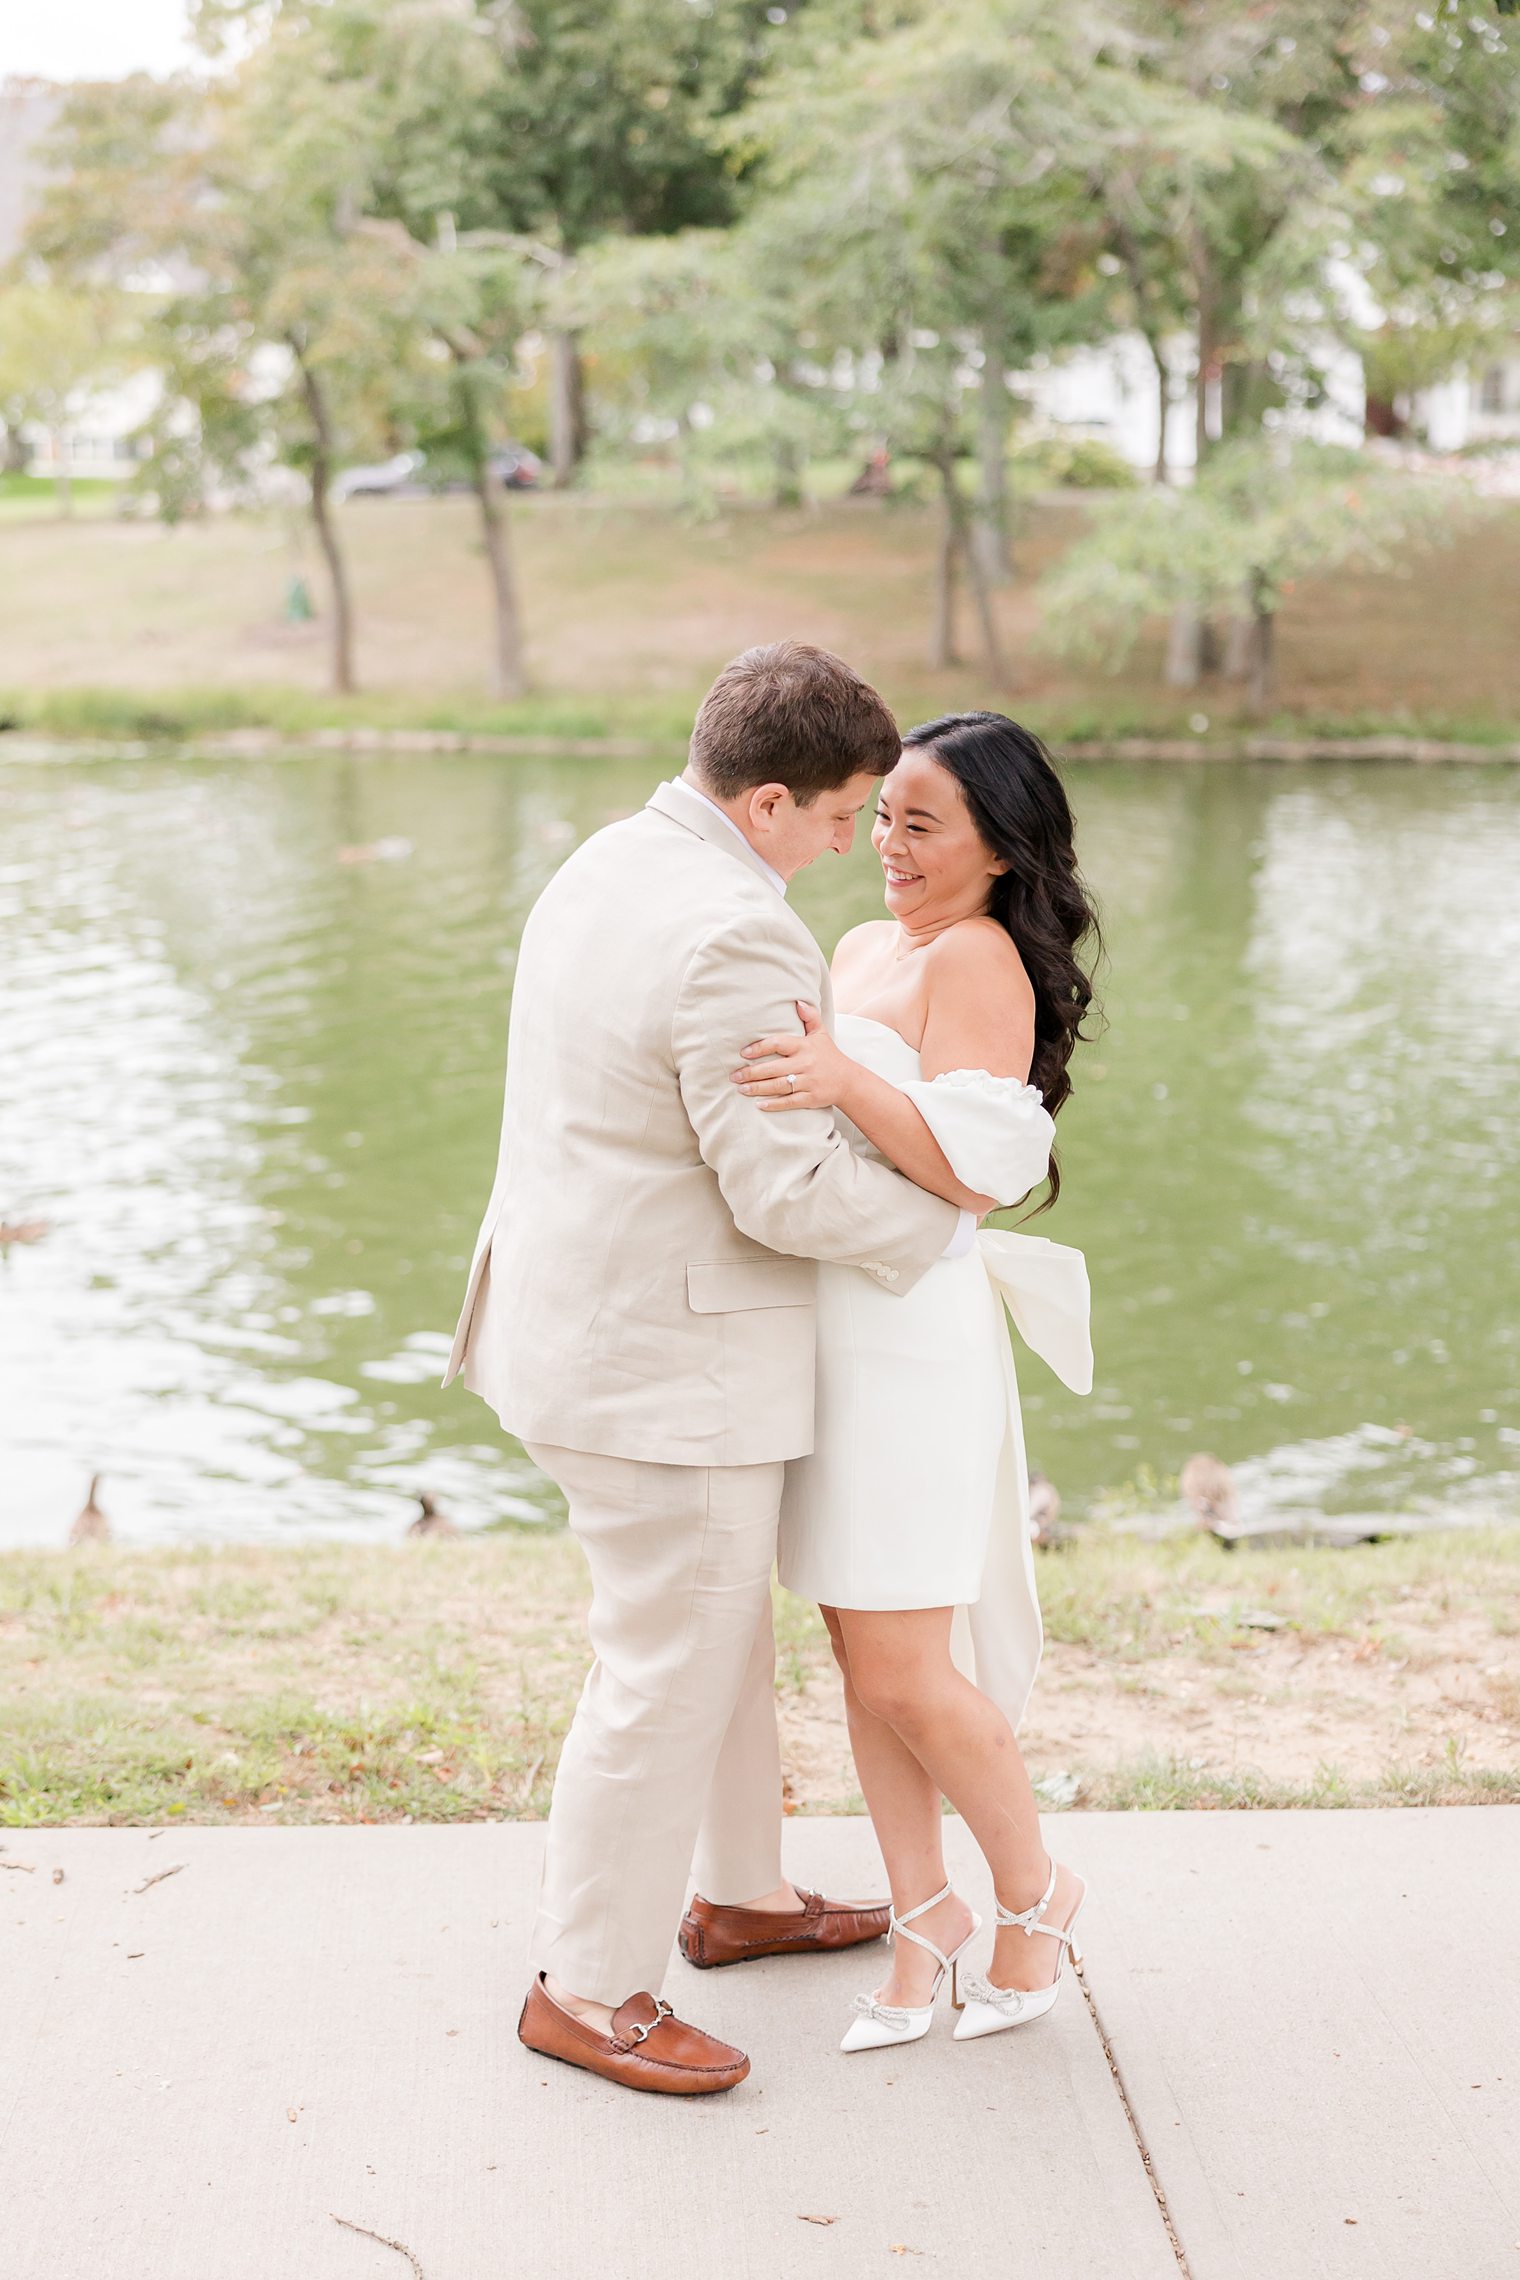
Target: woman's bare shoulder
x,y
976,951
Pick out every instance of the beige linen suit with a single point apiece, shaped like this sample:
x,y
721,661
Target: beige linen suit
x,y
639,1313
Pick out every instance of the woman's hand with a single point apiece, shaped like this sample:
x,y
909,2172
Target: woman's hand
x,y
797,1072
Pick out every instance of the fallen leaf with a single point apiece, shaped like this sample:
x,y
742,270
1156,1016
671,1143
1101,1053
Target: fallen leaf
x,y
802,2220
290,2113
27,1867
58,1876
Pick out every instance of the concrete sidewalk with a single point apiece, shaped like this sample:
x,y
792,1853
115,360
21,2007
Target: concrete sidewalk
x,y
1315,2020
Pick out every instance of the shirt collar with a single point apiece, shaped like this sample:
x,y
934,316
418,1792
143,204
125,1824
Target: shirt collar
x,y
774,876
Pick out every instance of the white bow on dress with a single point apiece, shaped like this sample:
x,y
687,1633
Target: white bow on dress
x,y
1045,1288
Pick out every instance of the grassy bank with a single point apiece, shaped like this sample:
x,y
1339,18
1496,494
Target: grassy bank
x,y
434,1681
127,629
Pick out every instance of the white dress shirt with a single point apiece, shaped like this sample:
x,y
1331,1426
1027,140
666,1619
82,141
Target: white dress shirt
x,y
774,876
965,1232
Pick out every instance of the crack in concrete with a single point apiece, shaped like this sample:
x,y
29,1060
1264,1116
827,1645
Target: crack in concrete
x,y
1144,2151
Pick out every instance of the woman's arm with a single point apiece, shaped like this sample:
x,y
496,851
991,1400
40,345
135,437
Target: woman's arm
x,y
810,1071
980,1015
891,1123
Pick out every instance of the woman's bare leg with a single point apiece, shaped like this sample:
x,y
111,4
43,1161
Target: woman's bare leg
x,y
907,1813
899,1672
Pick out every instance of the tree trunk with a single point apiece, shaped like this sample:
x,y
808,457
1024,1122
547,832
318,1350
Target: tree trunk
x,y
496,533
989,535
1263,683
1192,649
1240,648
1149,325
942,642
1184,648
1207,293
958,543
567,409
982,591
1163,401
786,489
327,536
1382,416
507,617
17,457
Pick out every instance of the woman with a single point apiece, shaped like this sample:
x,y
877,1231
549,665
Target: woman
x,y
957,1019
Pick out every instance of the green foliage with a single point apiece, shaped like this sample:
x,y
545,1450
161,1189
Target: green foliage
x,y
771,241
1074,463
1260,516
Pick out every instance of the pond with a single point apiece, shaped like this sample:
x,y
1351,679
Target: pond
x,y
254,1088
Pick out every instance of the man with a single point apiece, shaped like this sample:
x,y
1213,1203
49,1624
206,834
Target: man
x,y
640,1314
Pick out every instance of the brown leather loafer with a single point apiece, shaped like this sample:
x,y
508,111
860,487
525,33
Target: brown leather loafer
x,y
649,2047
711,1935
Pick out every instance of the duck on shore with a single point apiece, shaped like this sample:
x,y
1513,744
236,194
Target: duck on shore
x,y
1209,1487
430,1521
1048,1532
90,1525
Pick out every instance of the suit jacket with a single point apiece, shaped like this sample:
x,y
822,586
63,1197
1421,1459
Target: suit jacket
x,y
643,1283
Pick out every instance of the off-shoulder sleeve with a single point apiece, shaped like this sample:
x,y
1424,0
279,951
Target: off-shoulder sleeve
x,y
995,1132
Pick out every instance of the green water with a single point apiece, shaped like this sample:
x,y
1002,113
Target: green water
x,y
255,1091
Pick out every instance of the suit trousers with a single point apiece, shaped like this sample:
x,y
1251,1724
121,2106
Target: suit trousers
x,y
672,1762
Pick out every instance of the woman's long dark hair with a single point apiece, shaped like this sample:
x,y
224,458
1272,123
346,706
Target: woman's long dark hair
x,y
1019,805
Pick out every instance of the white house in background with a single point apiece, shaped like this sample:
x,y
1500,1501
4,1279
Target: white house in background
x,y
1106,392
1481,409
1110,393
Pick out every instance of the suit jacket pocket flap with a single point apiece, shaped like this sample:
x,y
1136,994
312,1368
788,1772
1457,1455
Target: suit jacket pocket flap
x,y
727,1286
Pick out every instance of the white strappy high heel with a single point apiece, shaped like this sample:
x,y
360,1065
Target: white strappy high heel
x,y
876,2026
988,2009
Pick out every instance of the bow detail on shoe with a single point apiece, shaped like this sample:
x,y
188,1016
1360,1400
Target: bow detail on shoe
x,y
885,2014
1009,2000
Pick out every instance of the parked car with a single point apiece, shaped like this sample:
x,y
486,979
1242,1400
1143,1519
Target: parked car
x,y
517,468
388,480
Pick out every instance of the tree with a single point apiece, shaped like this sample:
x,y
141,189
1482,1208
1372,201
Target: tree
x,y
423,81
1261,515
55,345
606,126
920,200
243,198
1432,181
475,297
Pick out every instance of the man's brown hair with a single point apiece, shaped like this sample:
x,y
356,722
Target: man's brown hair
x,y
791,714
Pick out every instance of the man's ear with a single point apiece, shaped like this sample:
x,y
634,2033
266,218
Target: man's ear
x,y
764,802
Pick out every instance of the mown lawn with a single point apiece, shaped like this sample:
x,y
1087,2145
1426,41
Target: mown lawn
x,y
631,606
434,1681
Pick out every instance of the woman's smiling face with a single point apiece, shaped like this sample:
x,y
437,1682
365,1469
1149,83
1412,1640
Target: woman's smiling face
x,y
937,864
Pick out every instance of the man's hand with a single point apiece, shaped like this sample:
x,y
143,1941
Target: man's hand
x,y
808,1071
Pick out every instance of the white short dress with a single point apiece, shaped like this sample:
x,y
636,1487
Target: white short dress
x,y
916,1493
